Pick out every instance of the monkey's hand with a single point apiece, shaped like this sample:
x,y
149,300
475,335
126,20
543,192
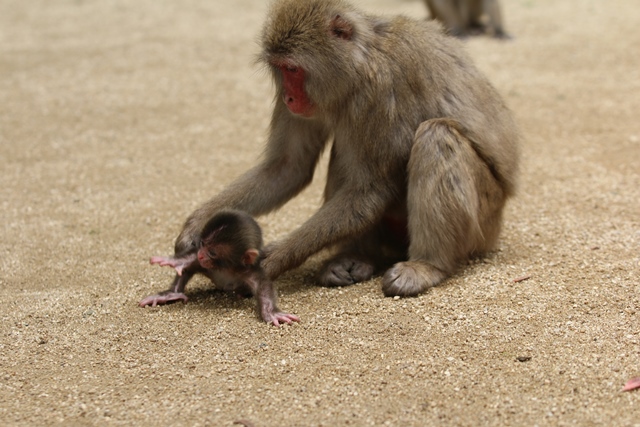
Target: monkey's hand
x,y
163,298
178,263
267,308
277,317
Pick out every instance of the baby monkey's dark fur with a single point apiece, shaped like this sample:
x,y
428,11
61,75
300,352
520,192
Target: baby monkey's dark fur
x,y
232,241
230,254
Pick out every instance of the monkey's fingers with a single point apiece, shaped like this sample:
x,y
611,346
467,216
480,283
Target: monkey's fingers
x,y
283,317
162,261
178,264
157,259
632,384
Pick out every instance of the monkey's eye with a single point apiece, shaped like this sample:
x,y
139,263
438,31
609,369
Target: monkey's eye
x,y
291,69
211,254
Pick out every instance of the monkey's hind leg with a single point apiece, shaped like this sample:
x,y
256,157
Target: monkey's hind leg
x,y
356,261
454,208
363,257
345,269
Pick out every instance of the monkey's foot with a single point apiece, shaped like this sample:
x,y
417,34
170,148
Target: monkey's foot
x,y
276,318
163,298
345,271
410,278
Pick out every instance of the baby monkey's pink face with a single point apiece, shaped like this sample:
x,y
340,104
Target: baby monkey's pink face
x,y
232,257
206,257
212,255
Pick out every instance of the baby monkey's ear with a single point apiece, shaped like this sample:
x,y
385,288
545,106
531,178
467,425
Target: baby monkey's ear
x,y
250,256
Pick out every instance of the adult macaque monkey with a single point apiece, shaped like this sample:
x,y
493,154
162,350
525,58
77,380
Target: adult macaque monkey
x,y
423,157
468,17
230,254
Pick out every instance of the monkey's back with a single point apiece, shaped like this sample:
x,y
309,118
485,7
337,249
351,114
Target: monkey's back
x,y
429,75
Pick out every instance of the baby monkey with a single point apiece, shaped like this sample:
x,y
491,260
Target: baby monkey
x,y
230,254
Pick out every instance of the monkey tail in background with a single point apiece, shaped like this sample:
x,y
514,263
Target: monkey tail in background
x,y
468,17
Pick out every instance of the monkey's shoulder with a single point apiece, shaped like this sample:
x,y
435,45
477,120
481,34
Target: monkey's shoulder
x,y
419,47
401,30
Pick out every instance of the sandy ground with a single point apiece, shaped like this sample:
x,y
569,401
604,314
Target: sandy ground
x,y
118,118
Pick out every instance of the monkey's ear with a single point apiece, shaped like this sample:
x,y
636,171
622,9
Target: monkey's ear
x,y
341,28
250,256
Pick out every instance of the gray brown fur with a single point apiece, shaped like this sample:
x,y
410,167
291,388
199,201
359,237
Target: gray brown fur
x,y
418,135
468,17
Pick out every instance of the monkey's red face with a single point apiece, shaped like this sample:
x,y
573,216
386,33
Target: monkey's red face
x,y
305,39
294,95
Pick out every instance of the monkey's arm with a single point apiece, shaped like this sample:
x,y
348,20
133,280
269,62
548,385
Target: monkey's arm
x,y
265,293
292,152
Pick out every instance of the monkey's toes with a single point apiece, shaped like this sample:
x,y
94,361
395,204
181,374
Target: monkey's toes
x,y
287,318
410,278
344,272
